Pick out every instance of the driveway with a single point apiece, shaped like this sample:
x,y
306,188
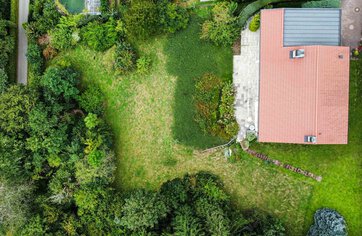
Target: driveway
x,y
22,67
351,22
246,82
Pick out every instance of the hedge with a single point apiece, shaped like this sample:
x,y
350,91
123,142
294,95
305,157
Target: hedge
x,y
13,33
250,9
323,4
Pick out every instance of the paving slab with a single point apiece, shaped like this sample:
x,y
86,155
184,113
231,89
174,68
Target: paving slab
x,y
351,22
246,83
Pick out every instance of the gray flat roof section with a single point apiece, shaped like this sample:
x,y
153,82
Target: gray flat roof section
x,y
312,27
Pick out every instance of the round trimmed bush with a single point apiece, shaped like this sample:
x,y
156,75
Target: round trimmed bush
x,y
328,222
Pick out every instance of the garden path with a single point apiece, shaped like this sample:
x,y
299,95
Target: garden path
x,y
22,67
246,82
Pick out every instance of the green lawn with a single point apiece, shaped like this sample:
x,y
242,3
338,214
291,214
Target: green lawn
x,y
156,138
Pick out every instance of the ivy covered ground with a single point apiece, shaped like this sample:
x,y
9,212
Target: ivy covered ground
x,y
157,139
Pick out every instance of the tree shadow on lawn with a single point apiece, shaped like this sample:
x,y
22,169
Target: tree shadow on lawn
x,y
188,57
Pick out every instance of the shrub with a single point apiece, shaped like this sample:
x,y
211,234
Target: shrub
x,y
172,17
255,23
226,109
49,52
125,57
100,36
328,222
222,29
322,4
214,103
207,95
66,34
141,19
91,100
143,65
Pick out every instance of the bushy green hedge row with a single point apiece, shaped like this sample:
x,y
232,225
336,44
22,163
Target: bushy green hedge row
x,y
252,8
323,4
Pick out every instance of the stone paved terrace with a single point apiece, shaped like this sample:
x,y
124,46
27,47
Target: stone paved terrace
x,y
246,82
351,22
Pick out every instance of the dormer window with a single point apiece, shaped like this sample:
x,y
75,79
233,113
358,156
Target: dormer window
x,y
310,139
299,53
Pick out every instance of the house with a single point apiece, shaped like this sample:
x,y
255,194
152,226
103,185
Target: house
x,y
304,77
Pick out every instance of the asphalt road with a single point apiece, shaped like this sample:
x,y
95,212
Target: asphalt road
x,y
22,67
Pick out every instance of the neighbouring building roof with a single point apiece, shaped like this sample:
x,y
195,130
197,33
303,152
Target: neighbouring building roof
x,y
93,7
301,97
312,27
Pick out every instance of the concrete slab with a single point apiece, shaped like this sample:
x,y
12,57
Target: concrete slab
x,y
351,22
246,83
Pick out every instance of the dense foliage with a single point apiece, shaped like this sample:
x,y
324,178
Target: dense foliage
x,y
145,18
214,101
171,16
50,144
7,46
101,36
43,16
328,222
35,58
66,33
192,205
222,28
323,4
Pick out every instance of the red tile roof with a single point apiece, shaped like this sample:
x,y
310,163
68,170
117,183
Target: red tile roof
x,y
300,97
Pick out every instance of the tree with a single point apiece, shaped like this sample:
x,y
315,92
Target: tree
x,y
328,222
91,100
12,156
35,59
142,210
141,19
186,223
175,193
15,105
43,17
7,43
14,203
3,81
222,29
62,82
34,226
213,216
